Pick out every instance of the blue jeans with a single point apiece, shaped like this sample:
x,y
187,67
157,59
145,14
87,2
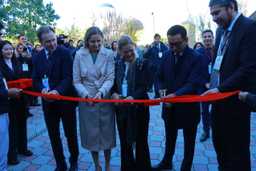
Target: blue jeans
x,y
4,142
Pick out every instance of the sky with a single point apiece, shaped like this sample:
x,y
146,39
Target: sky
x,y
166,12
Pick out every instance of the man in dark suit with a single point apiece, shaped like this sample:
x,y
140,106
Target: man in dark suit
x,y
52,74
180,75
234,68
154,55
207,53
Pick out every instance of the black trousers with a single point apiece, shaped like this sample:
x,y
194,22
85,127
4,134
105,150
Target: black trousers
x,y
206,117
231,139
189,134
141,160
54,112
17,128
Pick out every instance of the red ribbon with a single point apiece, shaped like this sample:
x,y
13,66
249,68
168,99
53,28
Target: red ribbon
x,y
20,83
27,83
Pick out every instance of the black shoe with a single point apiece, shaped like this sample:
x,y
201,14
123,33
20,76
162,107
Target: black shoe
x,y
162,166
27,153
13,161
204,137
60,169
73,167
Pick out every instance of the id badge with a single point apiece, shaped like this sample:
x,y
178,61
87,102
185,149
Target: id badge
x,y
124,90
217,63
210,68
24,67
160,54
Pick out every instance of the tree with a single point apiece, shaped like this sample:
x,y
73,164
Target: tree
x,y
113,23
191,32
25,16
75,33
133,27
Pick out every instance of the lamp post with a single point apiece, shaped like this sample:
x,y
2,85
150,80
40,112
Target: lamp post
x,y
154,27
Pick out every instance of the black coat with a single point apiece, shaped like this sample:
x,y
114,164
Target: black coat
x,y
238,68
3,96
140,84
17,105
182,78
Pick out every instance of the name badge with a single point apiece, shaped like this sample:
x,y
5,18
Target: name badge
x,y
124,90
5,83
24,67
160,54
218,62
210,68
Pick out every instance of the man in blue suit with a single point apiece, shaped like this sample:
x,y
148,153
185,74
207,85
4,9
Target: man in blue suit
x,y
52,74
155,55
180,74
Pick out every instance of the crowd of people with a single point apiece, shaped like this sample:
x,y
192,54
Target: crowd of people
x,y
124,71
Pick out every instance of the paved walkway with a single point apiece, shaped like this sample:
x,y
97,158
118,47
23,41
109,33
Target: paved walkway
x,y
42,160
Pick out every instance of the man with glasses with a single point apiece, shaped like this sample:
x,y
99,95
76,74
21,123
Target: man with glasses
x,y
179,75
234,68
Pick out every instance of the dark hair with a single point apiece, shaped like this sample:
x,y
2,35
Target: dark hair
x,y
19,44
235,4
91,31
124,40
112,44
42,30
177,29
20,35
198,43
2,44
157,35
207,31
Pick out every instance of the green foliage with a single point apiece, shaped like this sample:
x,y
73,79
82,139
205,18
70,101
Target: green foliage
x,y
25,16
74,32
133,27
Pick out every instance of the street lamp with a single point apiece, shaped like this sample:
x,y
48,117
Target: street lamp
x,y
154,27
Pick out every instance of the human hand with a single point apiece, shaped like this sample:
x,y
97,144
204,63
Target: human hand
x,y
243,95
14,92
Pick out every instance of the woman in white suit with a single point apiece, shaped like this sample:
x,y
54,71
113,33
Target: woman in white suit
x,y
93,77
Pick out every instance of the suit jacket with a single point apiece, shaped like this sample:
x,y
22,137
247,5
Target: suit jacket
x,y
154,59
182,78
18,105
58,69
23,60
206,59
238,68
140,77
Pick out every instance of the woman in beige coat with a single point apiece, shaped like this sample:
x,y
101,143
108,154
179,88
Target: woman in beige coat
x,y
93,77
